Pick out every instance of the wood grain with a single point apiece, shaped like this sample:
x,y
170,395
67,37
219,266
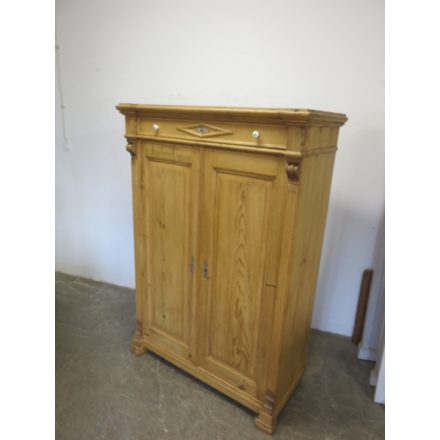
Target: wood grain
x,y
171,185
285,116
237,201
228,235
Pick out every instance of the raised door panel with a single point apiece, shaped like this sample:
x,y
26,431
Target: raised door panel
x,y
240,249
171,177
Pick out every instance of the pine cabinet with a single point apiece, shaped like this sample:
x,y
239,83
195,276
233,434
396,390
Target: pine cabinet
x,y
229,214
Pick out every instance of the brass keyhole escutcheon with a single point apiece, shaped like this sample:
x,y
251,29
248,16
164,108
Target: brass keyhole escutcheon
x,y
202,130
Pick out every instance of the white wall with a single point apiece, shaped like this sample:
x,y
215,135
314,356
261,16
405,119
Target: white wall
x,y
320,54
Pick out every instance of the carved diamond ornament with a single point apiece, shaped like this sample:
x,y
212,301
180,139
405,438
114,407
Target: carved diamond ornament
x,y
204,130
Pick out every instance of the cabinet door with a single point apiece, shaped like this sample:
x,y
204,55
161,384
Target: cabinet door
x,y
244,199
171,186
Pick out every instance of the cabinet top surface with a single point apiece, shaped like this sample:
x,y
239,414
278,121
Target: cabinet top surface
x,y
274,115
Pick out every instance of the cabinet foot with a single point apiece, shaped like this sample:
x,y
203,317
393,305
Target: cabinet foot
x,y
266,422
136,345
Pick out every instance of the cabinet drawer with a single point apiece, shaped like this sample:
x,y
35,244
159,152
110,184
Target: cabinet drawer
x,y
247,134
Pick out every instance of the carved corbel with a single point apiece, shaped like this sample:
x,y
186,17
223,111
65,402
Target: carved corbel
x,y
130,148
292,171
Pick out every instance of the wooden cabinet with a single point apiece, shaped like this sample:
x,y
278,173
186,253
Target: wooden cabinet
x,y
229,214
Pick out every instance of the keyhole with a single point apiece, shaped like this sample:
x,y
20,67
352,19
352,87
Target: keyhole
x,y
202,130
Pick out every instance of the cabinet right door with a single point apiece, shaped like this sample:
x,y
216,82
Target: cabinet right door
x,y
244,197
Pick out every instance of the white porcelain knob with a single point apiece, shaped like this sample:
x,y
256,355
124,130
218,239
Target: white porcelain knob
x,y
256,134
156,127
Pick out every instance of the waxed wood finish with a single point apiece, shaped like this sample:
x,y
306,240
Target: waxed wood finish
x,y
229,212
241,192
171,185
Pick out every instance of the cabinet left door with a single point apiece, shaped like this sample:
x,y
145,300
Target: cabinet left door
x,y
166,243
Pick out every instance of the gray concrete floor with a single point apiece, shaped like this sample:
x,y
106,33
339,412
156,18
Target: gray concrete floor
x,y
105,392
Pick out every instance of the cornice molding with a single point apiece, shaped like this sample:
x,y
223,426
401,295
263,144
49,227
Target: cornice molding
x,y
301,117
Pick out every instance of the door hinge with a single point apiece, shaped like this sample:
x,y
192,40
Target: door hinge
x,y
205,269
191,264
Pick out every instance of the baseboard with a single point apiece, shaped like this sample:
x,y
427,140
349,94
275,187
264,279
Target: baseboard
x,y
367,354
334,335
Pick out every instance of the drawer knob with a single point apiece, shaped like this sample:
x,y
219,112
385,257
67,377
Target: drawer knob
x,y
156,127
256,134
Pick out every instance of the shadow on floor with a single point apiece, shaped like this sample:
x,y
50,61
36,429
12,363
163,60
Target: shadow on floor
x,y
105,392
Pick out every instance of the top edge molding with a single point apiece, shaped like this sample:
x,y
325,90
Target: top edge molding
x,y
239,114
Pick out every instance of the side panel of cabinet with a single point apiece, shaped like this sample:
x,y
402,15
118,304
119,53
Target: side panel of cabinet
x,y
308,230
243,202
171,186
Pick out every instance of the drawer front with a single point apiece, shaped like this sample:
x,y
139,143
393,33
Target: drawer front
x,y
247,134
